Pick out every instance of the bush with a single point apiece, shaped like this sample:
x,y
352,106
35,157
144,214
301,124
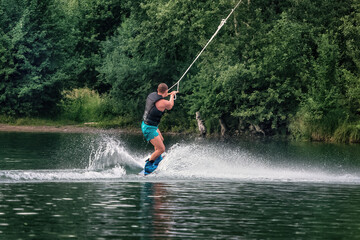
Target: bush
x,y
7,119
82,105
348,133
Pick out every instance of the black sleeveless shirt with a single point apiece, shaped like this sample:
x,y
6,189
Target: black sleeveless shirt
x,y
152,115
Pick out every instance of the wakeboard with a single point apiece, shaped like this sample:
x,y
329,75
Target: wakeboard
x,y
151,166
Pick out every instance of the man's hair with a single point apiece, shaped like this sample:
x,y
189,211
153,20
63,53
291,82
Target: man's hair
x,y
162,88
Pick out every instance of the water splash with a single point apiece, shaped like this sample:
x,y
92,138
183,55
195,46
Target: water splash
x,y
109,158
196,161
60,175
110,153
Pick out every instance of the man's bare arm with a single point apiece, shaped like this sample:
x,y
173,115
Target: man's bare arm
x,y
170,103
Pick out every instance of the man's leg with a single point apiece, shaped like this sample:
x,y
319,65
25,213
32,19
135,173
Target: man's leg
x,y
159,147
161,136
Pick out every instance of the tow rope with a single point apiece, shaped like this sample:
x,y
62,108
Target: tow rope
x,y
223,21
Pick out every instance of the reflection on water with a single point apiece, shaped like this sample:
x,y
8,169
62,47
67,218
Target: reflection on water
x,y
187,210
155,210
86,186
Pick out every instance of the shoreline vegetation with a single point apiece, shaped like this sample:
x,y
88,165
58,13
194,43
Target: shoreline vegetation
x,y
282,69
92,127
84,110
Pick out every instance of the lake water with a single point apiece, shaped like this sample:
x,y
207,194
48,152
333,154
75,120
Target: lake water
x,y
86,186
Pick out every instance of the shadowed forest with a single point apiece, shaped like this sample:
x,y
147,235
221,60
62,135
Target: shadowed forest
x,y
277,67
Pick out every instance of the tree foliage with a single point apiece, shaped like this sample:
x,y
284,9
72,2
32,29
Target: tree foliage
x,y
278,65
36,47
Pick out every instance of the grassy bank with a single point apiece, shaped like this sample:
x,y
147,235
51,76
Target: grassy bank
x,y
116,122
344,133
86,108
33,121
339,131
79,107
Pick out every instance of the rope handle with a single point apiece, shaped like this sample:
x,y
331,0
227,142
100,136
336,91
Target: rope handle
x,y
177,89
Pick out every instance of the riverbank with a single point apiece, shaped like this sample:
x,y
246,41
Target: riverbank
x,y
115,125
11,124
53,126
61,129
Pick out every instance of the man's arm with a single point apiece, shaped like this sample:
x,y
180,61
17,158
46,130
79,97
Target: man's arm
x,y
170,104
165,104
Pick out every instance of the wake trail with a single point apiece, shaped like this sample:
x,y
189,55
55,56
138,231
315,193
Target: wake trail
x,y
111,152
110,159
213,162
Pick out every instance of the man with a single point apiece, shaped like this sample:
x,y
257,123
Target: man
x,y
154,109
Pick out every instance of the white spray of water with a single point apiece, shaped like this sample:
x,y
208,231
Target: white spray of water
x,y
111,153
61,175
110,159
196,161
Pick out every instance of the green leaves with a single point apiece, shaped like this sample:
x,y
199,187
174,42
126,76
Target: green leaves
x,y
34,56
273,64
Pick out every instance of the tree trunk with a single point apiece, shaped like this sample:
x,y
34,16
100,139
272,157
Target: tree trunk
x,y
201,126
236,23
256,128
223,127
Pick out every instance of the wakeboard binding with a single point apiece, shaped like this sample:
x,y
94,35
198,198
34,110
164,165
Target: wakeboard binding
x,y
150,166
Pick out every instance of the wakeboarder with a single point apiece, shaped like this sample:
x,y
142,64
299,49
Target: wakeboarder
x,y
156,104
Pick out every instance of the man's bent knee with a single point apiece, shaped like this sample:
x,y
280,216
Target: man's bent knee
x,y
158,144
162,149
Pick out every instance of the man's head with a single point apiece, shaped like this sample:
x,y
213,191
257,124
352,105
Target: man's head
x,y
162,89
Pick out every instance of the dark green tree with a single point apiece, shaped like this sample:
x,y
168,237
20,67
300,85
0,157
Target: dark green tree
x,y
155,44
40,47
350,32
95,20
255,76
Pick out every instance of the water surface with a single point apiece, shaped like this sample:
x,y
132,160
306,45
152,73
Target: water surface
x,y
86,186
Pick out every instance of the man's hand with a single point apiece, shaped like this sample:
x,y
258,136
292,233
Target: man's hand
x,y
173,93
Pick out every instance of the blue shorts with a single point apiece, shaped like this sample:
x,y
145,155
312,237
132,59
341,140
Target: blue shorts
x,y
150,132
